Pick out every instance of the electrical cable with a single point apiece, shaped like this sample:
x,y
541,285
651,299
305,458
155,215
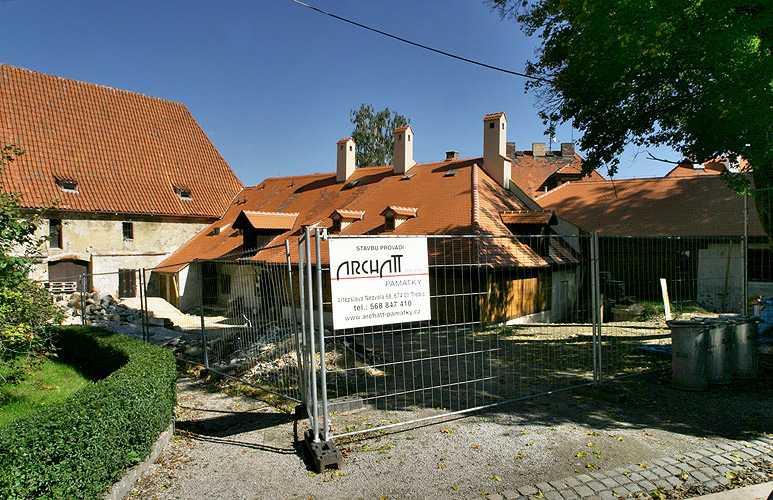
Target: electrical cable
x,y
425,47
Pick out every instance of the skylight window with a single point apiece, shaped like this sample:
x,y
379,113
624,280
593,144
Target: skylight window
x,y
183,193
351,184
407,176
68,185
451,173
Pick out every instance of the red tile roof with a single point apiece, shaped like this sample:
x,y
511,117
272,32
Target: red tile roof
x,y
492,116
528,217
444,206
530,172
267,220
126,151
672,206
685,169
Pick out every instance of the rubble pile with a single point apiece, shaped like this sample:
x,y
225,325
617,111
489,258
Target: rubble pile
x,y
99,310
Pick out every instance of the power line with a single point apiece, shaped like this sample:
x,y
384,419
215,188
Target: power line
x,y
425,47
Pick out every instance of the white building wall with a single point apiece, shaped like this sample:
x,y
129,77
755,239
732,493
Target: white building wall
x,y
720,277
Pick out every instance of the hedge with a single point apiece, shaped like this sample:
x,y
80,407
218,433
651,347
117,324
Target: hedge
x,y
76,449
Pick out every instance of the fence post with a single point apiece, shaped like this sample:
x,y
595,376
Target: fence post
x,y
83,299
312,367
201,314
321,321
745,251
596,305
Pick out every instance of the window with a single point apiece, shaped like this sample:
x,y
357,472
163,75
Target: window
x,y
336,225
760,264
68,185
389,222
183,193
128,231
55,233
127,283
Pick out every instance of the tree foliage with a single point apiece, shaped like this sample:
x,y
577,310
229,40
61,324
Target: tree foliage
x,y
374,134
695,75
26,311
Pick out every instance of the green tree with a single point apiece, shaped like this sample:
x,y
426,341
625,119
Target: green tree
x,y
374,135
695,75
26,310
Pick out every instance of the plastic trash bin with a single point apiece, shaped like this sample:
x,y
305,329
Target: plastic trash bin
x,y
744,341
719,350
689,355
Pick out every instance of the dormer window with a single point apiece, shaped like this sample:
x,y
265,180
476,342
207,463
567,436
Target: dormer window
x,y
394,216
343,218
389,223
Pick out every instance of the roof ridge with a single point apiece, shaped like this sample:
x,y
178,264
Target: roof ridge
x,y
475,199
90,84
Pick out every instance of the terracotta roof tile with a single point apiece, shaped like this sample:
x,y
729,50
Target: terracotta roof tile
x,y
531,173
266,220
528,217
349,214
444,203
492,116
671,206
126,151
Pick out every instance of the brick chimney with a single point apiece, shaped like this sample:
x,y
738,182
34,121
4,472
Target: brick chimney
x,y
345,159
452,155
510,149
537,149
567,149
403,152
494,148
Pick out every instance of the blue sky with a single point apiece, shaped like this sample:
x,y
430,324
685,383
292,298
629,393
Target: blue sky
x,y
272,83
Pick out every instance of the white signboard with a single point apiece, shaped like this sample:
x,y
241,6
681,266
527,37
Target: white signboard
x,y
378,281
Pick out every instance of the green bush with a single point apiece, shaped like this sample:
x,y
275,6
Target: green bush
x,y
78,448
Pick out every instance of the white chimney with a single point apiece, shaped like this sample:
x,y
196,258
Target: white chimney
x,y
345,159
494,143
403,152
537,149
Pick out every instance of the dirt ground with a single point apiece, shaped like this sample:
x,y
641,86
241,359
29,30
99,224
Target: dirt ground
x,y
238,447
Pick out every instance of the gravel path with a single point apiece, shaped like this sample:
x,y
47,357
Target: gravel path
x,y
230,447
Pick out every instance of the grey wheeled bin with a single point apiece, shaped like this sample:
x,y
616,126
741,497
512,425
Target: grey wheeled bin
x,y
744,340
689,355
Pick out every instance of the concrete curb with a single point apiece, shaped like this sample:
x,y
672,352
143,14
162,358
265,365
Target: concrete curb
x,y
710,466
122,487
754,492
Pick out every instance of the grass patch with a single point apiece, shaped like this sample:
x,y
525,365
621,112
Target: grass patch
x,y
54,382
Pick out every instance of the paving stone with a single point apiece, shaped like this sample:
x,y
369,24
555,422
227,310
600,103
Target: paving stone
x,y
543,486
711,484
648,474
670,461
597,475
709,461
621,470
595,486
584,478
583,491
621,479
622,491
569,494
662,483
527,490
558,484
704,452
722,480
660,472
695,464
683,467
609,482
720,459
699,476
722,469
659,462
674,481
510,495
726,447
692,454
753,452
708,471
647,485
673,469
494,496
636,477
633,488
552,495
607,495
571,481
